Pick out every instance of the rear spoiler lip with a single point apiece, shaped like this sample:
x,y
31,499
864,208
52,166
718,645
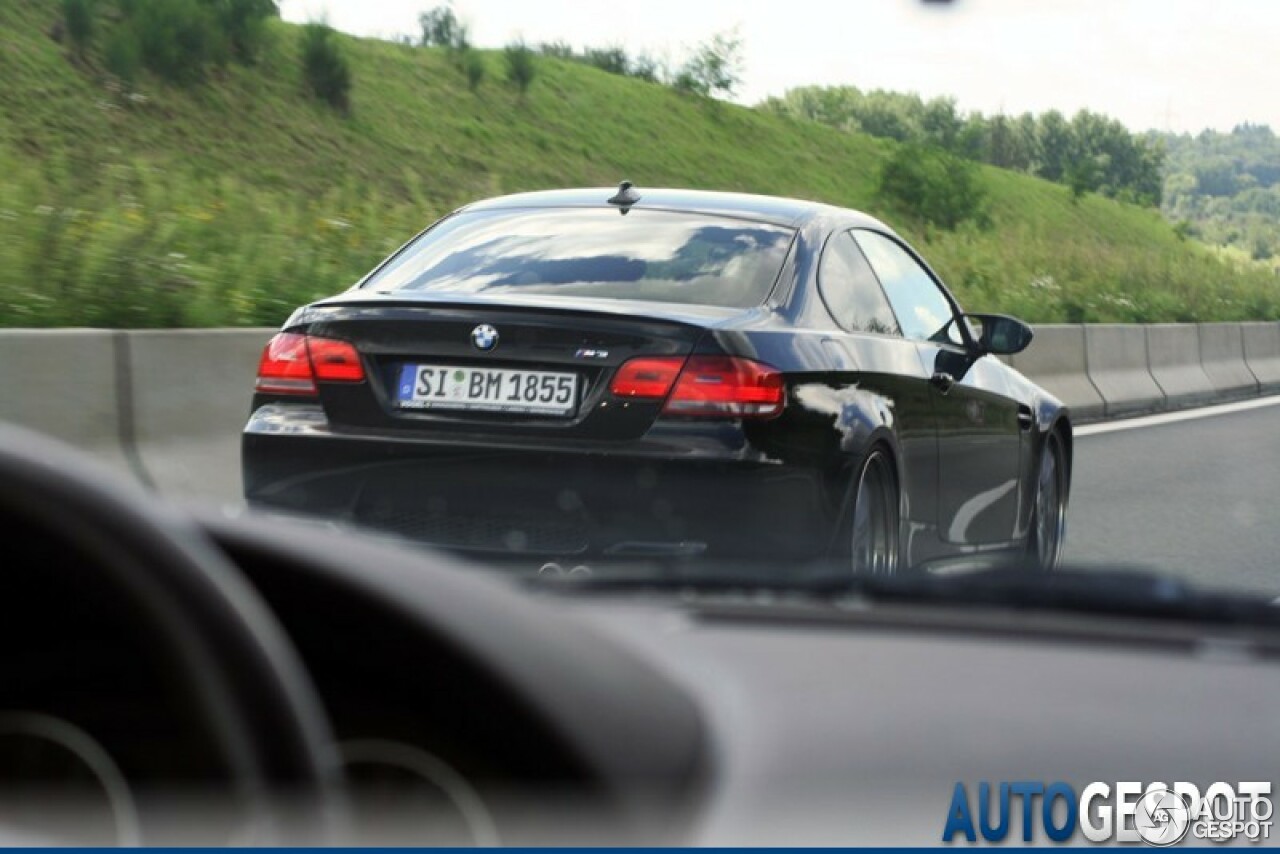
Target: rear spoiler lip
x,y
690,315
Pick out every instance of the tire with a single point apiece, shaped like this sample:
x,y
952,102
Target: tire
x,y
1049,513
874,531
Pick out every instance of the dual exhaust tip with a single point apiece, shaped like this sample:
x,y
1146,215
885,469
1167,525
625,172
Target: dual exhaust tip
x,y
553,569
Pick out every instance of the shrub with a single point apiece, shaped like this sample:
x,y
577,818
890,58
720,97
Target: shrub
x,y
557,50
646,68
243,24
473,67
611,59
78,17
687,83
177,39
121,55
521,67
324,67
933,186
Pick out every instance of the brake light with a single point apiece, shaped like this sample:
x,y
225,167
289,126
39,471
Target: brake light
x,y
291,364
727,385
285,367
335,361
647,377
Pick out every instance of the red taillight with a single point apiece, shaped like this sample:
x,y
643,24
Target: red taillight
x,y
284,367
291,364
647,377
726,385
335,361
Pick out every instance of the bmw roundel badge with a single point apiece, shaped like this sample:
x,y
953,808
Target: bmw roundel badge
x,y
484,337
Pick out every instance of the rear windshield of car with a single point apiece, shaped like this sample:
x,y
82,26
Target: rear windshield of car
x,y
662,256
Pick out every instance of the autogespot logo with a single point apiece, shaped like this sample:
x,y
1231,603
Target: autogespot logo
x,y
1157,814
484,337
1162,816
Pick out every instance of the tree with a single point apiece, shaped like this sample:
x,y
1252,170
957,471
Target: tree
x,y
940,124
1026,142
889,115
441,28
715,67
999,148
1054,137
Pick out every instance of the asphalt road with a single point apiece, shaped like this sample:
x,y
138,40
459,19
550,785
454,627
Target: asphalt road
x,y
1198,498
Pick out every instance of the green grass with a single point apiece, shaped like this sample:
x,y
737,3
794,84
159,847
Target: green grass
x,y
230,202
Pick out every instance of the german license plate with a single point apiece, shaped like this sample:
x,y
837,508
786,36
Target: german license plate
x,y
486,389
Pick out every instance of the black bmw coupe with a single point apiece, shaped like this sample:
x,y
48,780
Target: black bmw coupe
x,y
594,374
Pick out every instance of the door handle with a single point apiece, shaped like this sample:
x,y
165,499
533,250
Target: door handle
x,y
942,381
1025,418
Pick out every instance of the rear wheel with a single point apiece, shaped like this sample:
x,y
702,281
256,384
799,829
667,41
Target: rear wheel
x,y
874,543
1049,519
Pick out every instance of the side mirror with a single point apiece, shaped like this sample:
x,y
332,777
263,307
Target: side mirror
x,y
999,333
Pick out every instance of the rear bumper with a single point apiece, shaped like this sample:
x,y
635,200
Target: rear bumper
x,y
704,492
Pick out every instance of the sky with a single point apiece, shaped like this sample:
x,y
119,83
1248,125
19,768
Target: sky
x,y
1180,65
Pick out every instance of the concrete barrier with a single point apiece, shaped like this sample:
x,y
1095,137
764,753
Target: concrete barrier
x,y
63,382
1173,356
1262,353
1116,355
1056,361
191,393
167,406
1222,355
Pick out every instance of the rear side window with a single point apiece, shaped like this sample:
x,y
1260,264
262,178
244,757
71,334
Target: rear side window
x,y
851,290
579,252
922,309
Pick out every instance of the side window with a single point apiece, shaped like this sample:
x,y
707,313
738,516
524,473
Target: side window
x,y
922,309
851,290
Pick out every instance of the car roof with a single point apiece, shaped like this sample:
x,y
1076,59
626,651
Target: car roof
x,y
771,209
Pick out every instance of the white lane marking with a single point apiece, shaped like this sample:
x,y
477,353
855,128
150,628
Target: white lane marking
x,y
1173,417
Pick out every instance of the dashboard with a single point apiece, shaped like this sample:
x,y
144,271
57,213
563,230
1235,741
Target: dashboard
x,y
398,696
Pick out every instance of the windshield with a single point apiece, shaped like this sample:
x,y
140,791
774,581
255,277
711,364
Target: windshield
x,y
648,255
718,422
768,292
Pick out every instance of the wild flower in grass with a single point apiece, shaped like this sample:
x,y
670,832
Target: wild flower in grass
x,y
42,210
1044,283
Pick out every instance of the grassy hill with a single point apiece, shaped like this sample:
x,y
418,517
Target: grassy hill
x,y
232,201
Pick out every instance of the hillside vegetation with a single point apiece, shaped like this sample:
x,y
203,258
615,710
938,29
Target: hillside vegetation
x,y
230,200
1226,188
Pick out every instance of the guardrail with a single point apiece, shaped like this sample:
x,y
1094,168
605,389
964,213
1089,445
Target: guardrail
x,y
167,406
